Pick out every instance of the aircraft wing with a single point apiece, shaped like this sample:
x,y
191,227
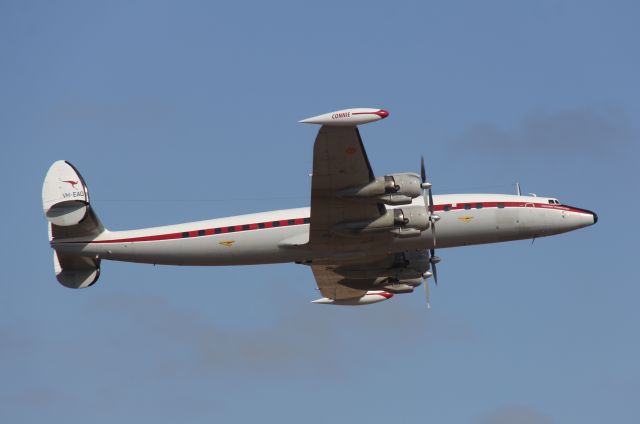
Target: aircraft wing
x,y
334,285
349,272
329,284
339,162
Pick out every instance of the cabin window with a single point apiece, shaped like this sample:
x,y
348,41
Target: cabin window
x,y
552,202
501,205
467,206
447,208
478,205
200,232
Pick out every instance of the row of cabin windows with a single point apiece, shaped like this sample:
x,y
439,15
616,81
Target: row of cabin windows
x,y
246,227
468,206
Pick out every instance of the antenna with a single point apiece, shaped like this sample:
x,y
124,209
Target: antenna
x,y
518,189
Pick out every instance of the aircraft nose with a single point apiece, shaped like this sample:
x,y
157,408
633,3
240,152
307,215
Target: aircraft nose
x,y
581,217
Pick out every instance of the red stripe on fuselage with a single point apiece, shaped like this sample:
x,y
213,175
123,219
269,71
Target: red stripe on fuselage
x,y
195,233
474,205
303,221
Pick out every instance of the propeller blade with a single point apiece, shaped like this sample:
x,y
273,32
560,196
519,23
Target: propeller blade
x,y
428,196
426,292
430,202
433,232
433,260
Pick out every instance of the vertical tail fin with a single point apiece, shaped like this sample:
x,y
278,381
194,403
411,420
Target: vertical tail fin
x,y
65,200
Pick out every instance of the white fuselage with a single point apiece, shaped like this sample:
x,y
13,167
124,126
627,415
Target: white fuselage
x,y
281,236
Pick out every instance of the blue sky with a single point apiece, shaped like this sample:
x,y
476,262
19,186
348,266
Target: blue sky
x,y
180,111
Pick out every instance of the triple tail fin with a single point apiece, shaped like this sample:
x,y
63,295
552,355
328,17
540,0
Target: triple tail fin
x,y
65,200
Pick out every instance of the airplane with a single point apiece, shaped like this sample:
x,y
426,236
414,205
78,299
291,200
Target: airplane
x,y
365,237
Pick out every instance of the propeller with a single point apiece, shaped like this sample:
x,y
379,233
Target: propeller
x,y
428,200
433,218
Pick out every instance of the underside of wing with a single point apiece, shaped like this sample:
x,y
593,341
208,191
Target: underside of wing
x,y
354,278
339,163
336,287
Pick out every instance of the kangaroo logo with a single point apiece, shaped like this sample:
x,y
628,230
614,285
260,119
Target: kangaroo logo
x,y
72,183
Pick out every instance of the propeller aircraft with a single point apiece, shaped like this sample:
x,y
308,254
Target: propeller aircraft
x,y
365,237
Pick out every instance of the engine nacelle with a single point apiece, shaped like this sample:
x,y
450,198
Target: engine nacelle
x,y
408,184
408,221
411,218
394,189
402,286
414,264
405,266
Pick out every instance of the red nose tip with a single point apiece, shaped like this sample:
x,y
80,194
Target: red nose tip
x,y
382,113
